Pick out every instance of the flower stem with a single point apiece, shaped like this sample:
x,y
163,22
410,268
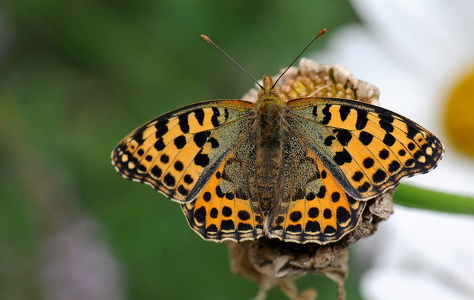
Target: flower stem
x,y
411,196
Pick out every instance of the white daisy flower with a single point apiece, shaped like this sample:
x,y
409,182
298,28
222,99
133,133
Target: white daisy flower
x,y
420,54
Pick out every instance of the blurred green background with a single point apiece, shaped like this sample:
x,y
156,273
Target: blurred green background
x,y
75,78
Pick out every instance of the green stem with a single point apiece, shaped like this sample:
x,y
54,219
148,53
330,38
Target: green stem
x,y
411,196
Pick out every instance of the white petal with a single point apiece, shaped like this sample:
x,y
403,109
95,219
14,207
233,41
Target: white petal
x,y
428,247
431,36
380,284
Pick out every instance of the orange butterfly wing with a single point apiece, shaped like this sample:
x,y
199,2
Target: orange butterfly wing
x,y
367,148
337,154
178,152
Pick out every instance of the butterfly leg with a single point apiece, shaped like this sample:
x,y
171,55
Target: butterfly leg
x,y
338,273
266,283
288,286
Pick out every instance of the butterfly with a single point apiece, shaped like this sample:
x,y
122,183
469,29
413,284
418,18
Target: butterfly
x,y
300,170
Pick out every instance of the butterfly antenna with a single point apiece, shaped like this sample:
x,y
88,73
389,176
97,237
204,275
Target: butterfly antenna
x,y
207,39
320,33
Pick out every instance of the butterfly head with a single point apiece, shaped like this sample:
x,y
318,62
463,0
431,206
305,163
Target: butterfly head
x,y
268,91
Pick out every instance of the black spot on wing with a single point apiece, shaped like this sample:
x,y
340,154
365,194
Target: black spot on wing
x,y
169,180
183,123
188,179
394,166
366,138
161,128
368,163
327,214
386,126
384,154
362,119
207,196
357,176
164,158
313,226
138,135
226,211
244,227
214,143
343,136
295,216
178,166
389,139
156,172
326,118
182,190
344,112
294,228
364,187
342,215
329,230
219,192
411,131
200,214
159,145
328,140
379,176
214,213
342,157
200,138
322,192
385,122
335,196
227,225
180,141
201,159
243,215
211,228
215,117
313,212
199,114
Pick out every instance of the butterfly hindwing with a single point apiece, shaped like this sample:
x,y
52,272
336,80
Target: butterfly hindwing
x,y
177,152
225,208
313,206
367,148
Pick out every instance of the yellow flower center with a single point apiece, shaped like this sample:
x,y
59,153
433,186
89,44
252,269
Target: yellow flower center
x,y
459,115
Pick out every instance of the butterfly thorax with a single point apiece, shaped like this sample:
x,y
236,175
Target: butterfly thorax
x,y
269,149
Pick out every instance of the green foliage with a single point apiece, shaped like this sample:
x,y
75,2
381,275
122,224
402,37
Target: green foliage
x,y
415,197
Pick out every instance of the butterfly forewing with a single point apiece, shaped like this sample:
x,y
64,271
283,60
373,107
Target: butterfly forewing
x,y
177,152
367,148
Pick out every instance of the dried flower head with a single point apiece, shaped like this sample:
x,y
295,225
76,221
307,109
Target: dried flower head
x,y
271,262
